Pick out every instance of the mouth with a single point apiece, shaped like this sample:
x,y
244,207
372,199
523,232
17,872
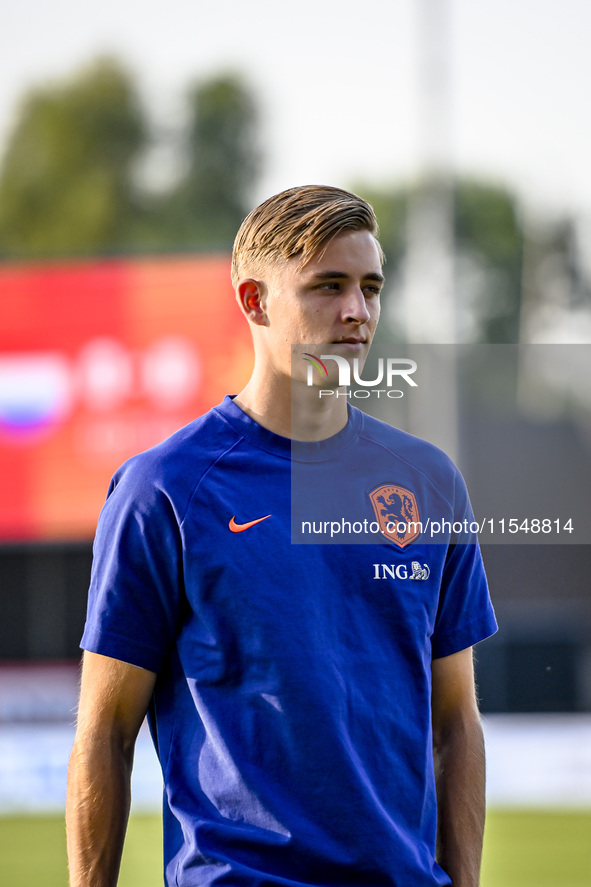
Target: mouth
x,y
353,341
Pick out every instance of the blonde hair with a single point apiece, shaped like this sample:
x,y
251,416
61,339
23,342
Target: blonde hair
x,y
297,222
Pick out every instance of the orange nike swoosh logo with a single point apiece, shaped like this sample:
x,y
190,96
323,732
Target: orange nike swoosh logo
x,y
240,528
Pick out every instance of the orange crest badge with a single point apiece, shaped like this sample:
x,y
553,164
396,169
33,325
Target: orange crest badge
x,y
397,513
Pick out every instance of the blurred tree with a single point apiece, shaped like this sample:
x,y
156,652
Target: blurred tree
x,y
68,182
223,160
65,182
489,254
489,244
557,282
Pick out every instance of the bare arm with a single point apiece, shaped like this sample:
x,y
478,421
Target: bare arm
x,y
458,747
114,698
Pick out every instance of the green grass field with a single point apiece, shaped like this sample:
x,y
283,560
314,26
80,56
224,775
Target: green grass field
x,y
523,848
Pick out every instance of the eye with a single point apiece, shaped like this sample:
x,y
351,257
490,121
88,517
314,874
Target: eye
x,y
331,286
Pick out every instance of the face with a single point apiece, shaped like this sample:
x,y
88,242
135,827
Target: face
x,y
333,301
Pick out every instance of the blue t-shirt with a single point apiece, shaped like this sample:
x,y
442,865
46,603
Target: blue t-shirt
x,y
291,713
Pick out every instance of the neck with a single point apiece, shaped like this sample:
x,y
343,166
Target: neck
x,y
292,408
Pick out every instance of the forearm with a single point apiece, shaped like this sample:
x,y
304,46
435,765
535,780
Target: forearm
x,y
460,777
97,810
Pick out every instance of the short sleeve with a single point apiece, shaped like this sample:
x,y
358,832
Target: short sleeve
x,y
136,581
465,613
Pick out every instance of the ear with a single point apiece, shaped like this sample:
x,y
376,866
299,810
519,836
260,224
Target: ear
x,y
251,295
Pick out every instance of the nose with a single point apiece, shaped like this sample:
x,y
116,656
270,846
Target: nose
x,y
355,307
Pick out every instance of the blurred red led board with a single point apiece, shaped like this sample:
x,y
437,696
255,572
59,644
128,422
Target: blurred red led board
x,y
99,361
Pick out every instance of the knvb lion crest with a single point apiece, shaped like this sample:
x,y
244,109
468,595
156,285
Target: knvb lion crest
x,y
397,513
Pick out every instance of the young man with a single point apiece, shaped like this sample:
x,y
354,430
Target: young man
x,y
312,705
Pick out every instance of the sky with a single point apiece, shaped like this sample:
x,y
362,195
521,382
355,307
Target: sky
x,y
339,83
